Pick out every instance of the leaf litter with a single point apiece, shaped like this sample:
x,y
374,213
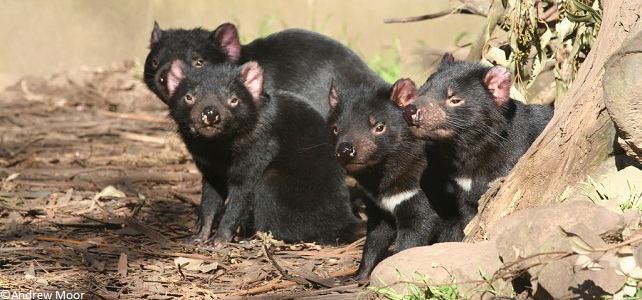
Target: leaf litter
x,y
98,194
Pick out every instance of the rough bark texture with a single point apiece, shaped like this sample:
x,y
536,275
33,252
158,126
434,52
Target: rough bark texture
x,y
577,140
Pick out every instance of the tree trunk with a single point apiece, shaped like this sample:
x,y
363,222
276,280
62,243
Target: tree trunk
x,y
579,138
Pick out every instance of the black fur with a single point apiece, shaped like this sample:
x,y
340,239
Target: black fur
x,y
465,110
377,148
294,60
268,154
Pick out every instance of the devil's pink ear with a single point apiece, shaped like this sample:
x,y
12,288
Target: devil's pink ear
x,y
404,91
174,76
498,84
156,34
333,97
446,60
252,75
228,39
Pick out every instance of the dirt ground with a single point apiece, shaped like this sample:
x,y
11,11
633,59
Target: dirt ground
x,y
98,194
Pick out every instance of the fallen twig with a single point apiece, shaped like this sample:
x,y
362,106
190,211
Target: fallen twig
x,y
267,288
149,177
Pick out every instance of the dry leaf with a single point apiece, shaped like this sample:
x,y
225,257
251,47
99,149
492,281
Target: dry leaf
x,y
587,263
122,265
578,244
109,192
31,271
192,264
12,177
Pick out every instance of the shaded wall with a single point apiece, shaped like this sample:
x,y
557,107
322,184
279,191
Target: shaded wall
x,y
42,36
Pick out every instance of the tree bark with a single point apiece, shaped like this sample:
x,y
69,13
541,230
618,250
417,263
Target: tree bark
x,y
577,140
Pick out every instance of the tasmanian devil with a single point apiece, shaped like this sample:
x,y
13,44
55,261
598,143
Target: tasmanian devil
x,y
293,60
374,144
268,154
466,110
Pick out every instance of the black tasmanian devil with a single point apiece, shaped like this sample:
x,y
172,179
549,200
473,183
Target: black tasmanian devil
x,y
268,154
466,110
295,60
375,145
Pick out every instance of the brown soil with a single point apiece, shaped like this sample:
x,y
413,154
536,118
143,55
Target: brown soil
x,y
64,139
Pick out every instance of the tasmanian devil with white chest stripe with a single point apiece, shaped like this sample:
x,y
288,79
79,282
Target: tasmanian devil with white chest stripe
x,y
376,147
466,110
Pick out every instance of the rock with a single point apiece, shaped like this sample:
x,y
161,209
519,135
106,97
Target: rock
x,y
611,204
625,187
623,93
632,219
581,274
439,264
544,238
538,220
560,250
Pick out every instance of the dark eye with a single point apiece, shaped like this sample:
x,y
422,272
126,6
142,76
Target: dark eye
x,y
234,101
335,130
380,128
454,101
189,99
154,63
199,63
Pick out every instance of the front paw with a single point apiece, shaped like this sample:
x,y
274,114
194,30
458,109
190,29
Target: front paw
x,y
361,276
199,238
363,273
220,239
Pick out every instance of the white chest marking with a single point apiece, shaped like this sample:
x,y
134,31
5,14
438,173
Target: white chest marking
x,y
465,183
390,202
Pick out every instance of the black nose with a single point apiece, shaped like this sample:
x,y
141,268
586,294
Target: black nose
x,y
412,114
210,116
346,152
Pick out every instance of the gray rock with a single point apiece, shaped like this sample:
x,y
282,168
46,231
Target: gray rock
x,y
623,93
633,219
626,185
542,240
536,222
581,274
560,248
439,264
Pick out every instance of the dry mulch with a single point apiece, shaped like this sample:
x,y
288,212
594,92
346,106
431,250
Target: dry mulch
x,y
98,193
